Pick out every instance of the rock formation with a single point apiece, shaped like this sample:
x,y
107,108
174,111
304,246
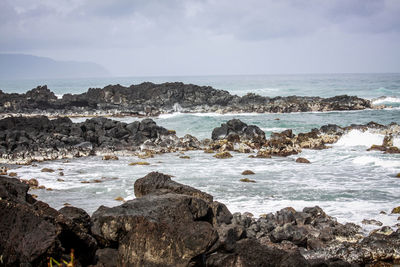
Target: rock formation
x,y
153,99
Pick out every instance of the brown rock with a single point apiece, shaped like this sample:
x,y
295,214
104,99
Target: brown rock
x,y
302,160
223,155
247,180
110,157
398,175
13,174
61,173
119,198
247,172
263,154
392,150
60,180
184,157
139,163
210,151
33,182
47,170
396,210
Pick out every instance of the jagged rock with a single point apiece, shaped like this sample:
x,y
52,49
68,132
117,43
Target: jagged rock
x,y
164,230
248,252
235,131
152,99
396,210
31,231
157,183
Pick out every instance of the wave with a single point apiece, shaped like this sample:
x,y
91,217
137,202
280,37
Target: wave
x,y
274,129
385,99
359,138
368,160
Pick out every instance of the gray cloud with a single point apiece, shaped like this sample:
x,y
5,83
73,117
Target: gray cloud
x,y
118,33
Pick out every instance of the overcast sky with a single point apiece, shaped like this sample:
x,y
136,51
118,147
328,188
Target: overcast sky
x,y
203,37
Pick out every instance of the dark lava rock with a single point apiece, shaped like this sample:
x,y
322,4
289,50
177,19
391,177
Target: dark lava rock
x,y
156,230
238,128
249,253
39,138
31,231
156,182
152,99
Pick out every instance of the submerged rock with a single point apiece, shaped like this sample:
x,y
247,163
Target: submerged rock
x,y
302,160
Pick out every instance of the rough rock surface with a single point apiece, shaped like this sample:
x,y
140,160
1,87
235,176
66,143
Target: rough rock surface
x,y
31,231
170,224
23,140
152,99
169,227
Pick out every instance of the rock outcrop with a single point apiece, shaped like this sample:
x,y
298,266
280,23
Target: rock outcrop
x,y
170,224
23,140
31,231
152,99
173,225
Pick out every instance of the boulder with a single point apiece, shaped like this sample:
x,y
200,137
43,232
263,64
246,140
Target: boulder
x,y
156,230
235,130
157,183
303,160
31,231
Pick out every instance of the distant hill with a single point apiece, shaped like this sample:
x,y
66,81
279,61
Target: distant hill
x,y
20,66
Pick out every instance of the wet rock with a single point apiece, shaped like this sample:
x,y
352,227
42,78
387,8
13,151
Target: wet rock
x,y
302,160
247,172
184,157
13,174
158,183
47,170
223,155
396,210
373,222
139,163
110,157
235,131
247,180
61,173
33,182
119,198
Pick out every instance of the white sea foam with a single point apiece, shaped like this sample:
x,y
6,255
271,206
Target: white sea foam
x,y
274,129
371,160
359,138
59,96
386,99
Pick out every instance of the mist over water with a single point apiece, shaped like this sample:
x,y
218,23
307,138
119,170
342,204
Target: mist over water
x,y
347,181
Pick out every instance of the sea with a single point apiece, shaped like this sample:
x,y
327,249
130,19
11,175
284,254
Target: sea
x,y
347,181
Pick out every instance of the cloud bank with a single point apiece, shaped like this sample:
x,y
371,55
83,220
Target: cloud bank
x,y
176,37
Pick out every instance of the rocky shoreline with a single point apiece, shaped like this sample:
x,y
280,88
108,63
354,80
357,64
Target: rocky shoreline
x,y
149,99
26,140
170,224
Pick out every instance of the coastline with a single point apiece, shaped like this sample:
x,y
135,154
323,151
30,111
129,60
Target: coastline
x,y
32,139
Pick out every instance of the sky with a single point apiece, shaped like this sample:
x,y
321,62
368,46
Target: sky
x,y
208,37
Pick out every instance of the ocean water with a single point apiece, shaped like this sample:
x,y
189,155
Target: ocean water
x,y
347,181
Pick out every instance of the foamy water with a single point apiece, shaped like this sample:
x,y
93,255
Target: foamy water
x,y
347,181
